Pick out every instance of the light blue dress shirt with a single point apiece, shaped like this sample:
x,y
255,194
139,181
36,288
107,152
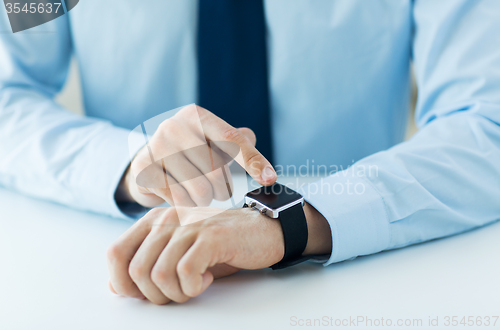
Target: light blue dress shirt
x,y
339,80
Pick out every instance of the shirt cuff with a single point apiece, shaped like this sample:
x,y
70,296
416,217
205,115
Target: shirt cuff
x,y
111,156
355,211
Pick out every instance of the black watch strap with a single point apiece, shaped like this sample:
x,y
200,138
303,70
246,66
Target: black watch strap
x,y
294,225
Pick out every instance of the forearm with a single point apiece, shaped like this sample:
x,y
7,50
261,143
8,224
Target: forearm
x,y
55,155
46,151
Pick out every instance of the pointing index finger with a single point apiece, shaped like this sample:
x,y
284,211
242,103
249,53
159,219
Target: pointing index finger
x,y
257,166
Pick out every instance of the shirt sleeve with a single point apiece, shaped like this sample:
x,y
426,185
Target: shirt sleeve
x,y
446,179
46,151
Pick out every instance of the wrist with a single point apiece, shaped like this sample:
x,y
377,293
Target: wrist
x,y
264,233
319,240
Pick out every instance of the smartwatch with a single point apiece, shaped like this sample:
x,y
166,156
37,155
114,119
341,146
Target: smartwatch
x,y
284,204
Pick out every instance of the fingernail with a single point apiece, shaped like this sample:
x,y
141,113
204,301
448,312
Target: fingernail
x,y
268,173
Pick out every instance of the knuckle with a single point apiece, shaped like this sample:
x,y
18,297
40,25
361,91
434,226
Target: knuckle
x,y
218,180
114,252
188,113
177,190
207,242
159,226
166,125
169,126
252,158
186,220
200,111
153,213
249,134
221,192
203,189
184,269
217,176
233,135
165,217
159,276
162,280
137,271
170,214
149,217
212,234
180,233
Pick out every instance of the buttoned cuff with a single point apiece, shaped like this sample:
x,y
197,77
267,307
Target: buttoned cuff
x,y
355,211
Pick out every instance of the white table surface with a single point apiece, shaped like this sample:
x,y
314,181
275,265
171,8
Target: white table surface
x,y
54,276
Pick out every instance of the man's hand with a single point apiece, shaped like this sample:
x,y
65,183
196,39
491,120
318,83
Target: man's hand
x,y
183,162
162,260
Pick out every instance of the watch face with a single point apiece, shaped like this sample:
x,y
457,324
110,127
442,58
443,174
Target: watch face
x,y
275,196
